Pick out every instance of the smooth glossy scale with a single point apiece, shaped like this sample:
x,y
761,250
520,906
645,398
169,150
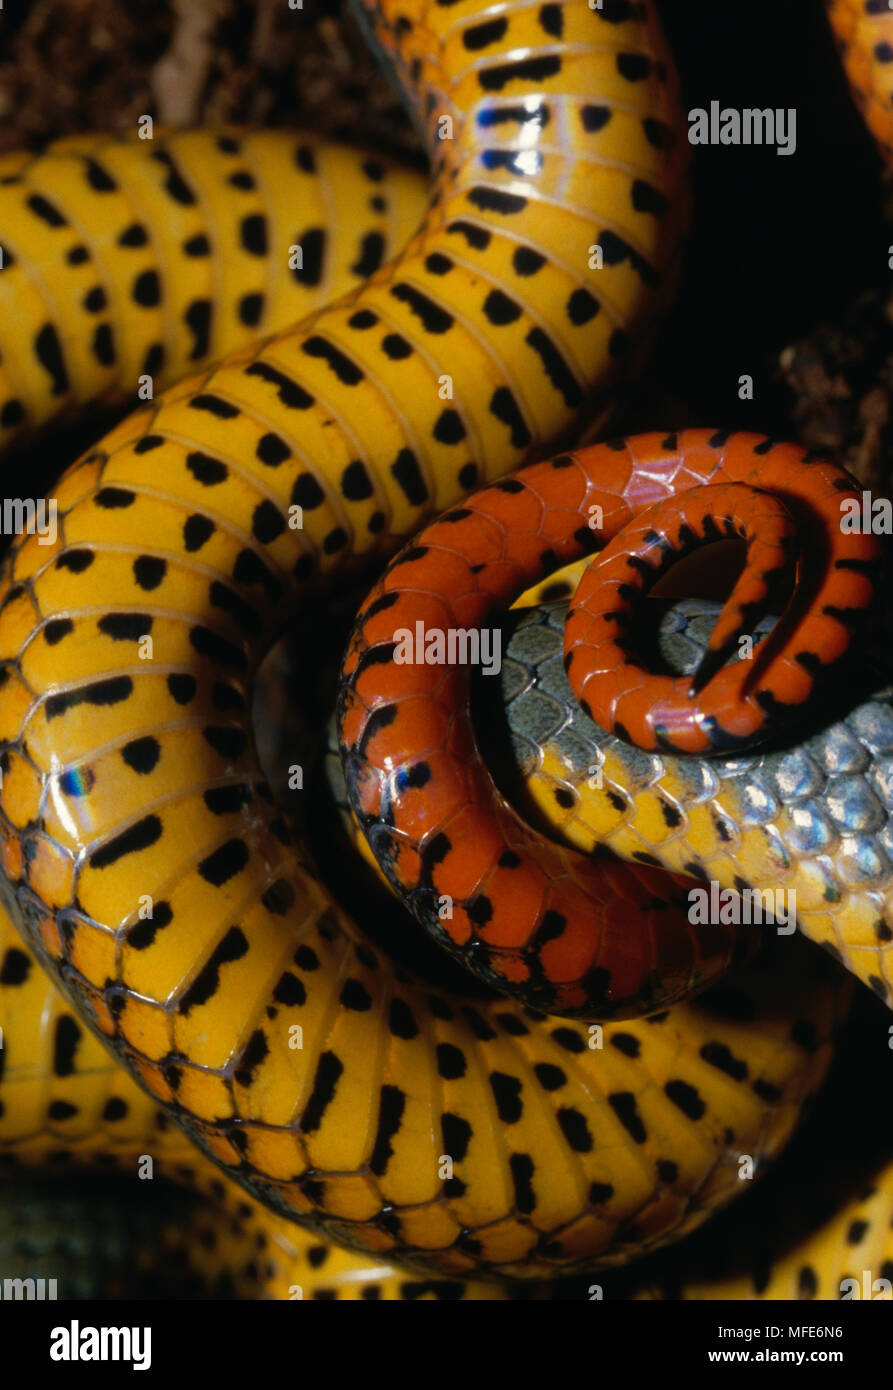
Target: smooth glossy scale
x,y
124,257
559,932
129,775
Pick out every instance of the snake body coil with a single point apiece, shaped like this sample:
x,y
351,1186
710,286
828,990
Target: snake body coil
x,y
124,258
154,878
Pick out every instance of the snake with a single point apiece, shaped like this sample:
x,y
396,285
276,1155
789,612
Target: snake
x,y
135,771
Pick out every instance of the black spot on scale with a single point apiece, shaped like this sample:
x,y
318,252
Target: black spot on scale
x,y
242,180
142,935
256,1050
198,320
197,246
575,1129
499,309
356,485
557,370
615,250
146,290
148,443
407,473
182,687
480,910
214,405
401,1021
438,264
232,948
142,835
94,300
521,1168
395,346
433,318
175,185
371,256
551,18
61,1110
483,35
228,800
100,693
534,70
154,360
142,754
363,318
346,371
13,412
290,991
55,630
49,355
594,118
582,307
103,345
65,1043
267,522
306,958
76,561
439,1007
46,211
686,1098
272,450
76,256
313,247
224,862
506,409
392,1103
206,470
250,570
16,967
328,1073
645,198
356,997
496,200
288,391
305,159
197,530
477,237
658,134
634,67
856,1232
251,308
253,234
507,1094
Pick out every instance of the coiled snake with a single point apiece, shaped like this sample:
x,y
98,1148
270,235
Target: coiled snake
x,y
152,876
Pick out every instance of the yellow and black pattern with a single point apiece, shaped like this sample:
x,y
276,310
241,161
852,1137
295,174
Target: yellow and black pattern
x,y
125,258
66,1106
152,872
